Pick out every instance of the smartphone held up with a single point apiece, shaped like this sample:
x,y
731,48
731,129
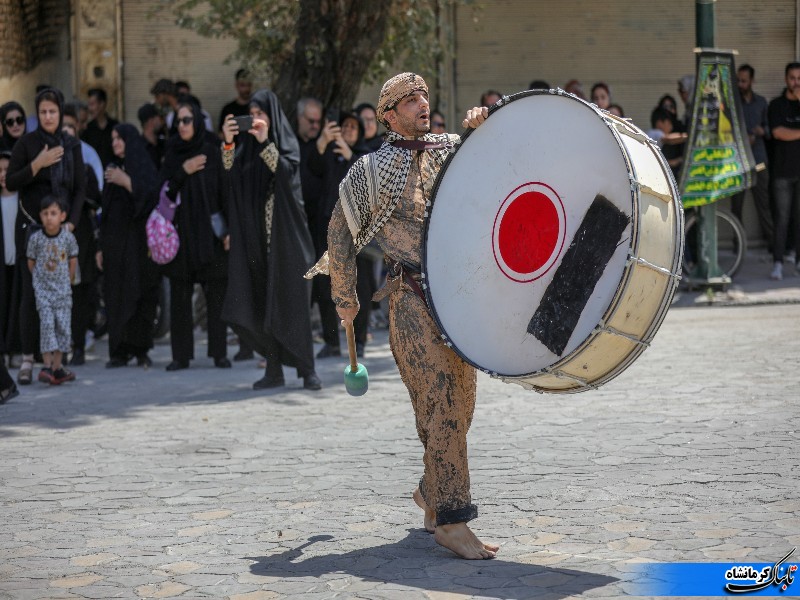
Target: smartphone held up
x,y
244,123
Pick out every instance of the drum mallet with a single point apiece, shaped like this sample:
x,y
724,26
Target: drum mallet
x,y
356,378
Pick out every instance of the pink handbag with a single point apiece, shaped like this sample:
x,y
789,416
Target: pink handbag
x,y
162,238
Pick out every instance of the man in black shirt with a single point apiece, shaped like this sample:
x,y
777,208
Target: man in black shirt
x,y
754,108
153,132
239,106
784,123
98,130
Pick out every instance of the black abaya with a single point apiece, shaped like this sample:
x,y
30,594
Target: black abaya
x,y
267,302
201,256
64,179
130,279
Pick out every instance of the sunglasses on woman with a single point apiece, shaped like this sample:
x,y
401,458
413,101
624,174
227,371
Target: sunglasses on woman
x,y
185,120
11,120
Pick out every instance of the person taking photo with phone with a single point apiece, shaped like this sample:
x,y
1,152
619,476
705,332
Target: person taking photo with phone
x,y
338,147
268,301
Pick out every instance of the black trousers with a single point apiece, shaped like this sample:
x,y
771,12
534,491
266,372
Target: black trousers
x,y
9,320
83,311
5,379
181,324
365,288
321,292
135,337
28,316
761,201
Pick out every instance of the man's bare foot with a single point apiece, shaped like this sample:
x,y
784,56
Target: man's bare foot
x,y
430,514
460,539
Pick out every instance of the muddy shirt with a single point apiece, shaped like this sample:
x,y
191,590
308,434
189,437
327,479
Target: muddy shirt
x,y
400,238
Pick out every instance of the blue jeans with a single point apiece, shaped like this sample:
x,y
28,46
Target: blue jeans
x,y
786,195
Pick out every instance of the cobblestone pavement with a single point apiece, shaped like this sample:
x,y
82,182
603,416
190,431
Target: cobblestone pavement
x,y
146,484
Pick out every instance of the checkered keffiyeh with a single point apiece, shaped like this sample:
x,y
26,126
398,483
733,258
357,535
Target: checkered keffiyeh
x,y
397,88
373,186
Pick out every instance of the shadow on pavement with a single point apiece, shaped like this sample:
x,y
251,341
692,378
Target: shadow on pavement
x,y
416,561
122,393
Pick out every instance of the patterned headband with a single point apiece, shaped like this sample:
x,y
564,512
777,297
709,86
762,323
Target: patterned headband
x,y
397,88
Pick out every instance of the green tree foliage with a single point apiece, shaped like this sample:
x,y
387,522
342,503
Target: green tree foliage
x,y
324,48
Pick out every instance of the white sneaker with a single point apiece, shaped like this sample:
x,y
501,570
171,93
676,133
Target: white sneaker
x,y
89,343
777,272
790,257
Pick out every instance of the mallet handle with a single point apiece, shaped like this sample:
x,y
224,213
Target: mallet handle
x,y
351,346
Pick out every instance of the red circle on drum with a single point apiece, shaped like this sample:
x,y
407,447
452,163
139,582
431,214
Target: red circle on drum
x,y
528,232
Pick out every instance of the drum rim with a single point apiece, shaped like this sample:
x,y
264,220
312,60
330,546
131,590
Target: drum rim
x,y
614,301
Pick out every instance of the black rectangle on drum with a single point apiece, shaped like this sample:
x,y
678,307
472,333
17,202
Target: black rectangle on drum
x,y
576,277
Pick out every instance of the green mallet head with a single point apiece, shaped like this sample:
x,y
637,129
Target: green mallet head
x,y
356,381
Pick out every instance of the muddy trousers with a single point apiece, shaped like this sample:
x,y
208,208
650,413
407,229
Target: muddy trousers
x,y
442,389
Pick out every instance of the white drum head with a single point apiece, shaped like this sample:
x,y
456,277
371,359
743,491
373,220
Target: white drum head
x,y
507,207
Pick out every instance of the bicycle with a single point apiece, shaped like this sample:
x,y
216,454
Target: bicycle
x,y
731,242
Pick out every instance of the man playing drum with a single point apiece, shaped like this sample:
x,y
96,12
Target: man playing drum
x,y
383,197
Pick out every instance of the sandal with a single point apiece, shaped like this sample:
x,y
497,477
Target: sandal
x,y
25,375
6,395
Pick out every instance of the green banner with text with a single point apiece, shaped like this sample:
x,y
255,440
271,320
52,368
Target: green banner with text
x,y
718,161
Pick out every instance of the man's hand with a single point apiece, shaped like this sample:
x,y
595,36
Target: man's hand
x,y
347,315
475,116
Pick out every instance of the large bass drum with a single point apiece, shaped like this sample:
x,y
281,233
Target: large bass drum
x,y
553,243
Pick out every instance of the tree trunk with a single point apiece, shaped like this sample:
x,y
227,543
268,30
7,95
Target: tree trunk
x,y
336,41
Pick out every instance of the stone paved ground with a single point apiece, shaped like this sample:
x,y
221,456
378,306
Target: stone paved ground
x,y
147,484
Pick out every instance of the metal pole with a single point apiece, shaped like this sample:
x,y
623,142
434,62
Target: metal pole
x,y
704,23
707,269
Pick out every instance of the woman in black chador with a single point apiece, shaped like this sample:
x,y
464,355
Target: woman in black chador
x,y
130,283
267,303
193,171
44,162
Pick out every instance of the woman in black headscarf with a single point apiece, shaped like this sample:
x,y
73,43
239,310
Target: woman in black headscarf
x,y
367,114
267,303
193,170
130,280
12,124
43,162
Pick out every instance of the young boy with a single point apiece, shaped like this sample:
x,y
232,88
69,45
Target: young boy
x,y
52,259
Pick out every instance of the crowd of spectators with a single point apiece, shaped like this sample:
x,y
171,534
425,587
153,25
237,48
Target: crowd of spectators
x,y
250,202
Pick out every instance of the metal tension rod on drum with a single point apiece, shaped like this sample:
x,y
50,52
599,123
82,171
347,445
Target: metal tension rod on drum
x,y
608,329
644,139
649,265
643,187
561,375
